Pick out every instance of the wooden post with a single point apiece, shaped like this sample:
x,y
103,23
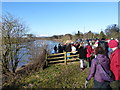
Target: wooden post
x,y
46,62
65,58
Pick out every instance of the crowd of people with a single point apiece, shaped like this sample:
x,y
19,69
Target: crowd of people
x,y
104,51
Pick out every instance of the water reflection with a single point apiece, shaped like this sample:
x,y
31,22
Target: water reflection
x,y
34,48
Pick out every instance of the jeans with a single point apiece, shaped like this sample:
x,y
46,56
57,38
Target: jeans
x,y
102,85
68,54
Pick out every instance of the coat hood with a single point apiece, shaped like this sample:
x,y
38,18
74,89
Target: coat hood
x,y
102,58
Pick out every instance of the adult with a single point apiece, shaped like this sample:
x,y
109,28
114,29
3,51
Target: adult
x,y
60,49
89,52
73,48
104,44
82,55
94,70
115,61
77,46
55,49
68,49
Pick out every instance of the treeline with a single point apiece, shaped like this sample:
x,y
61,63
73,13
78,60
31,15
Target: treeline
x,y
112,31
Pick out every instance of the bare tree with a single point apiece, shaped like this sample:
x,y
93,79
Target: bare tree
x,y
112,31
12,32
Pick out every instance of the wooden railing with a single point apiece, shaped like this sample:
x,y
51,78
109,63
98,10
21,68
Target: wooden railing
x,y
62,57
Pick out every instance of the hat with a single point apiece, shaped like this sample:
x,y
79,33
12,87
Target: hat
x,y
113,43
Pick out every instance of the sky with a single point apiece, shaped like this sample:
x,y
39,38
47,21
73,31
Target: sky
x,y
59,18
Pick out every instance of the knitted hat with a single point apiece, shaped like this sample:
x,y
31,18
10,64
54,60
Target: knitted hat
x,y
113,43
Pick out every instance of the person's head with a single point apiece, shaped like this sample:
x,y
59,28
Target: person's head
x,y
113,44
99,50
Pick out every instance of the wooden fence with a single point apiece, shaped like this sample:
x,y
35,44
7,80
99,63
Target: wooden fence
x,y
62,57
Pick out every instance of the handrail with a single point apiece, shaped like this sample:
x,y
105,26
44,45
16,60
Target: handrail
x,y
62,57
55,54
72,52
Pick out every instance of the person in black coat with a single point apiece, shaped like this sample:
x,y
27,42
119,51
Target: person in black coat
x,y
60,49
82,55
68,48
55,49
77,46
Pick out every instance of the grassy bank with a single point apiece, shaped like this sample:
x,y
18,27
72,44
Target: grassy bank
x,y
55,76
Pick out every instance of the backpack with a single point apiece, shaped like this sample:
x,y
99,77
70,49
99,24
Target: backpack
x,y
106,75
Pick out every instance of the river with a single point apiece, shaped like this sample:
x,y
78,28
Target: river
x,y
35,44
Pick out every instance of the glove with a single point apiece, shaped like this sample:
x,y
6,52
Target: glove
x,y
86,83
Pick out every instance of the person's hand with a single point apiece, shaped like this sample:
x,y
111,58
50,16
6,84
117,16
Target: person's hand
x,y
86,83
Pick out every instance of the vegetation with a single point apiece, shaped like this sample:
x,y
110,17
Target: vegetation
x,y
12,32
33,75
102,35
55,76
112,31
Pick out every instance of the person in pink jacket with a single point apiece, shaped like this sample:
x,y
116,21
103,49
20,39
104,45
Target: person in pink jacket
x,y
115,61
89,52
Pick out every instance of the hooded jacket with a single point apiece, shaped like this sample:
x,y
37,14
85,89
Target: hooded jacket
x,y
115,63
94,72
89,51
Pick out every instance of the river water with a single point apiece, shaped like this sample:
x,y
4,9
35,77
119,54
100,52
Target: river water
x,y
35,44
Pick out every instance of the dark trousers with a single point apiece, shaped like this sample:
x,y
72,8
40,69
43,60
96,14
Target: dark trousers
x,y
101,85
89,61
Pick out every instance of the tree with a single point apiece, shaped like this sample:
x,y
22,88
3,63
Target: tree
x,y
89,35
55,36
112,31
30,35
102,35
79,35
96,35
12,32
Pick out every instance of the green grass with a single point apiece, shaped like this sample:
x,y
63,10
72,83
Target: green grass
x,y
55,76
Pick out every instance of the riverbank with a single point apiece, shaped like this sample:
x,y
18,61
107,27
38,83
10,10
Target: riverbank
x,y
55,76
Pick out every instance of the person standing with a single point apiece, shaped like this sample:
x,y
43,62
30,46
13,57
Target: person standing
x,y
55,49
115,62
89,52
94,70
77,46
60,49
82,55
68,49
73,48
103,43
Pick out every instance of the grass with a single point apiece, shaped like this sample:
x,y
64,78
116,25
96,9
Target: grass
x,y
55,76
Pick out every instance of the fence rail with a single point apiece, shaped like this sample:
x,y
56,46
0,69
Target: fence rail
x,y
62,57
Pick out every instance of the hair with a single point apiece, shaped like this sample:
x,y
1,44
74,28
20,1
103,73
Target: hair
x,y
99,50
